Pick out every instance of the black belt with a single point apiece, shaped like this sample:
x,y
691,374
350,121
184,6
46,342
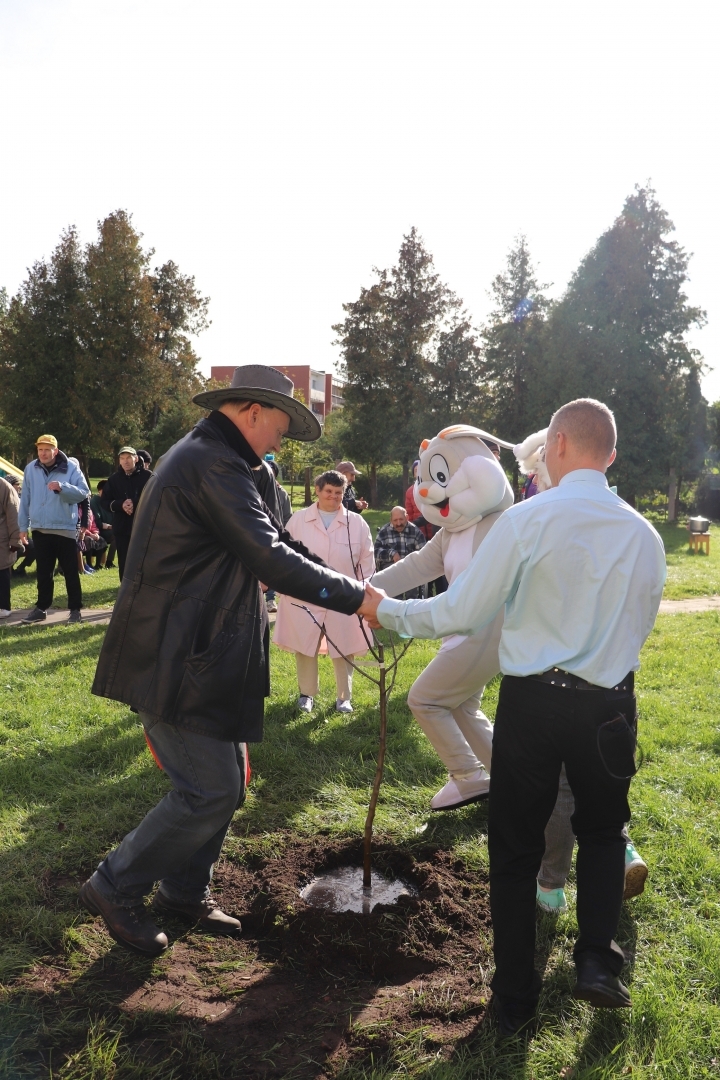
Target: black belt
x,y
557,677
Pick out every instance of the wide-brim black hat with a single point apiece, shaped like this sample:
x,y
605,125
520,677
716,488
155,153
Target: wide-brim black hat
x,y
268,386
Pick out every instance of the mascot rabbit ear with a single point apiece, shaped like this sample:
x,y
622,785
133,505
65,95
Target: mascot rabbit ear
x,y
530,456
529,446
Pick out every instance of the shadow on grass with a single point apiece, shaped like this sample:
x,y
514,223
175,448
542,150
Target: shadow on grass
x,y
22,641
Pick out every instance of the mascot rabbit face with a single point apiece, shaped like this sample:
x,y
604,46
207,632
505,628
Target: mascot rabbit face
x,y
459,481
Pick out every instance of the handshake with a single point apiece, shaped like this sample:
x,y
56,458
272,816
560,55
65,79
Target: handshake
x,y
369,606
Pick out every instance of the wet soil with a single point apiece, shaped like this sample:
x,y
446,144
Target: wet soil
x,y
303,992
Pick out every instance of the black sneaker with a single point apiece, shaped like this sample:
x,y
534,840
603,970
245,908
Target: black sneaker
x,y
36,615
75,616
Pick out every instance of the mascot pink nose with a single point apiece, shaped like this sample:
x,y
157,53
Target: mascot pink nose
x,y
423,492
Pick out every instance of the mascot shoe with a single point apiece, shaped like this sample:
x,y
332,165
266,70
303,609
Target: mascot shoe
x,y
460,792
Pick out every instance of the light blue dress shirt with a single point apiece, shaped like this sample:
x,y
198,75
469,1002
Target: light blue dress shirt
x,y
580,574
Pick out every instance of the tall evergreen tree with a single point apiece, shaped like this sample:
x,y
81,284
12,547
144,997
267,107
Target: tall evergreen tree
x,y
41,353
96,350
180,311
410,360
511,365
369,414
620,334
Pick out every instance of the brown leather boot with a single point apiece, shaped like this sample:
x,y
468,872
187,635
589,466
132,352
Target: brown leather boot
x,y
205,913
130,926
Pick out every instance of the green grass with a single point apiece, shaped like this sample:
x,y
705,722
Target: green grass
x,y
99,590
75,776
690,574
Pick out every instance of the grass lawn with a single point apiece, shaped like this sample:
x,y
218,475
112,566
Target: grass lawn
x,y
75,776
690,574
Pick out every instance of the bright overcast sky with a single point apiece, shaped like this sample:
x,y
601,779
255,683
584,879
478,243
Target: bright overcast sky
x,y
278,151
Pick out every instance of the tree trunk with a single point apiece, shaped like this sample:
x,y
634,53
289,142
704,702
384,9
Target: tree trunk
x,y
516,482
83,462
308,488
367,839
373,486
672,496
406,479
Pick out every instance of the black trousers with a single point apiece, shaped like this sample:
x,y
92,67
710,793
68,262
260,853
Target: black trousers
x,y
122,543
49,549
5,589
537,728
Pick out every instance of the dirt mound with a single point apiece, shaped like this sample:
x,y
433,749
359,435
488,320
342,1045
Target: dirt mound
x,y
302,992
418,932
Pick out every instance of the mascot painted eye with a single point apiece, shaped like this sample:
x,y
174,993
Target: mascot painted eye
x,y
439,469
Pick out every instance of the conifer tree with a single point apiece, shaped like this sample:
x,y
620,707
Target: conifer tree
x,y
620,334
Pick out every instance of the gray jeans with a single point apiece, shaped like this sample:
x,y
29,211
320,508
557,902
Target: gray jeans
x,y
179,840
560,839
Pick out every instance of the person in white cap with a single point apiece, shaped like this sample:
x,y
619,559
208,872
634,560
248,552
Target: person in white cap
x,y
121,496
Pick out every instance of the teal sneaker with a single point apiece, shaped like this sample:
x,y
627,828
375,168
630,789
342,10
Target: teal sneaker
x,y
636,872
553,902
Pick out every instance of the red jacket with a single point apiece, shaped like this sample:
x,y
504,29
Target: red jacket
x,y
411,508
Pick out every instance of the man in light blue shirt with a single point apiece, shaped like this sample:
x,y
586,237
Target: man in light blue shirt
x,y
580,575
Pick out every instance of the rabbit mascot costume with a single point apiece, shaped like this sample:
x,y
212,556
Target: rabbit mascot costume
x,y
461,488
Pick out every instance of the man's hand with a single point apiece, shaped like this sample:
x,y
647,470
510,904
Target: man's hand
x,y
53,486
128,506
369,606
396,557
361,503
23,538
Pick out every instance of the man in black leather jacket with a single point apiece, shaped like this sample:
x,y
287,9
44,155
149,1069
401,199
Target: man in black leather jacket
x,y
187,647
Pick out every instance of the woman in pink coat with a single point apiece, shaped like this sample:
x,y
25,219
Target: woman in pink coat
x,y
344,542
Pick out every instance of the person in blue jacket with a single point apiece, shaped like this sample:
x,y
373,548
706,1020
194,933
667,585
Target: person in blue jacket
x,y
53,485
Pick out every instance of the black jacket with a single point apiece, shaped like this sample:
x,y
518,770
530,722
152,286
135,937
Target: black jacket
x,y
188,640
122,486
350,500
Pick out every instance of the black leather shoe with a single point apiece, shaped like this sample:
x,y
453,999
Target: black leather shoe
x,y
129,926
75,616
598,985
513,1017
205,913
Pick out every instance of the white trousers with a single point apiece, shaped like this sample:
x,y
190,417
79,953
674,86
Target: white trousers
x,y
309,680
445,701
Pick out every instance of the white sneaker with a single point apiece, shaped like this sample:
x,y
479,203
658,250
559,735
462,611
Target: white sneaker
x,y
4,613
305,704
459,792
343,706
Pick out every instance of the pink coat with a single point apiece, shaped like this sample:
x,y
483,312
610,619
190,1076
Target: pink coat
x,y
294,629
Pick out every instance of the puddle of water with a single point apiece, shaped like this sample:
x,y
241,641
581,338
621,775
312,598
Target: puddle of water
x,y
342,889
